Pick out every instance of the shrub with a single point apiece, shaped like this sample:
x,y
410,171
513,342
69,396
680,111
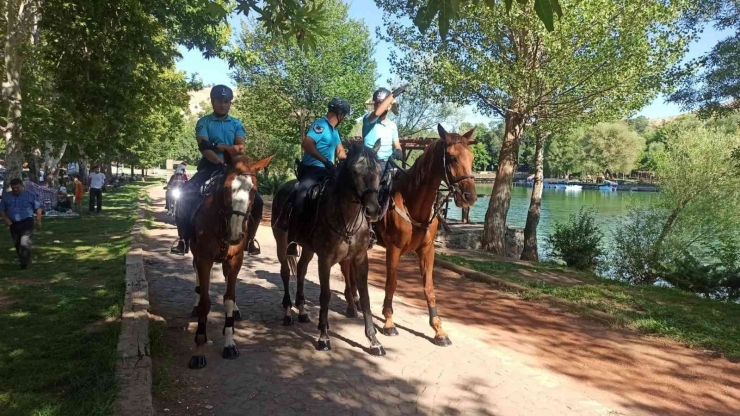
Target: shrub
x,y
577,242
269,184
631,258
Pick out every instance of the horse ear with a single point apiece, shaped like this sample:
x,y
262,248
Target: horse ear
x,y
259,165
376,146
228,157
469,135
441,131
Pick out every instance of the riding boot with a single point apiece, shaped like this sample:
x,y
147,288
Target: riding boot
x,y
181,248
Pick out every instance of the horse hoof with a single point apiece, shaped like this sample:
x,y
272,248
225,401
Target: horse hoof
x,y
442,341
287,320
378,351
194,313
237,315
231,352
304,319
389,332
351,312
322,345
197,362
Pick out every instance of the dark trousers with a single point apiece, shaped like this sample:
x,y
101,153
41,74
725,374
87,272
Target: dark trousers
x,y
308,176
96,198
21,232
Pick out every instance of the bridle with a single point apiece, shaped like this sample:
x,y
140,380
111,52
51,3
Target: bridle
x,y
226,214
452,181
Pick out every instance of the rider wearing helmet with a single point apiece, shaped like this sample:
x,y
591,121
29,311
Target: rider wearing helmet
x,y
376,126
216,133
320,146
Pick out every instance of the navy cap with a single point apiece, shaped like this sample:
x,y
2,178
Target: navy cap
x,y
221,92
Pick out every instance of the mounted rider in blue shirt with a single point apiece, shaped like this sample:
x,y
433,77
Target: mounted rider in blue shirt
x,y
321,146
376,126
216,133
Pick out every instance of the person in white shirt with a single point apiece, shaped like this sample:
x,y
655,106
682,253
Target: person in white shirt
x,y
96,181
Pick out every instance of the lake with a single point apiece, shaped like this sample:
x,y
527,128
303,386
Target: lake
x,y
558,205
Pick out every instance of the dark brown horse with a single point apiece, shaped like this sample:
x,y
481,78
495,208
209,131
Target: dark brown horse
x,y
411,224
220,237
338,231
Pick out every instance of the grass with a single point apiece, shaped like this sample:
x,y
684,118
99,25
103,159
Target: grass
x,y
682,316
59,319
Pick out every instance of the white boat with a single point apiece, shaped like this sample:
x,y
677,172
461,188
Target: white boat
x,y
608,186
573,188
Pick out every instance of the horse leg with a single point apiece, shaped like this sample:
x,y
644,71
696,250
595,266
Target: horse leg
x,y
348,289
198,360
300,299
360,268
281,240
323,343
230,273
392,255
426,264
194,313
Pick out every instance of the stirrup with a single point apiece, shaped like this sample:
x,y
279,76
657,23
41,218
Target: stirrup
x,y
257,249
292,250
373,239
175,248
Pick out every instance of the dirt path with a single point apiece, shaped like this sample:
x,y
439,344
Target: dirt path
x,y
509,357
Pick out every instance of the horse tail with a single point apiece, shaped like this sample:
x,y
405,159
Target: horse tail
x,y
293,265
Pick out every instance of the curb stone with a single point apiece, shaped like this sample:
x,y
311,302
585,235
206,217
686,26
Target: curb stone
x,y
134,368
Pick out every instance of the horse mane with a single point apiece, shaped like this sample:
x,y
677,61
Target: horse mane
x,y
354,152
424,167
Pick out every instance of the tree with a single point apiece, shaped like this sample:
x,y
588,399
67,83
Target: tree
x,y
605,60
610,147
418,112
564,154
530,251
287,88
711,83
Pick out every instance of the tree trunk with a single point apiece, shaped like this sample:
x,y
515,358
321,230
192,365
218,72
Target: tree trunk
x,y
533,215
34,166
132,171
16,18
494,230
51,162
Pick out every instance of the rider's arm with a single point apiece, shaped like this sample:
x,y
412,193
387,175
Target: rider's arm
x,y
238,146
341,154
382,108
209,154
309,146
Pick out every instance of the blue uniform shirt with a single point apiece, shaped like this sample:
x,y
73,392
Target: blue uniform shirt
x,y
326,138
21,207
385,130
219,131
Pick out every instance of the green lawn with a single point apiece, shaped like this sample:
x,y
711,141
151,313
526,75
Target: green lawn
x,y
59,318
687,318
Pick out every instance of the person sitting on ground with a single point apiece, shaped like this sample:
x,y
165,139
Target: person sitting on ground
x,y
63,204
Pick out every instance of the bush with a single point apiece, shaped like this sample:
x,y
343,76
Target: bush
x,y
632,259
268,184
577,242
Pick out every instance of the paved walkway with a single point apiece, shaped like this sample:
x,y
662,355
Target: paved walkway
x,y
509,357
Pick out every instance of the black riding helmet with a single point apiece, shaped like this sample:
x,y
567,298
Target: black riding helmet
x,y
380,95
221,92
339,107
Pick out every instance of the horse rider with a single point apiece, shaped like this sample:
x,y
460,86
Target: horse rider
x,y
376,126
321,146
216,133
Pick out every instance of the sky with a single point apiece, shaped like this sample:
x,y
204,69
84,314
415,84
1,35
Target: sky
x,y
216,71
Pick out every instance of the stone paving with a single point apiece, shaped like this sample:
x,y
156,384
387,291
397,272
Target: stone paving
x,y
509,357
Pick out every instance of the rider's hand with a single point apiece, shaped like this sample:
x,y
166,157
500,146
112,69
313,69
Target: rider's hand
x,y
398,91
330,167
397,154
8,222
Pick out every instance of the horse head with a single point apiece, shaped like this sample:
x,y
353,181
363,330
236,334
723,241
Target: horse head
x,y
240,186
360,172
457,160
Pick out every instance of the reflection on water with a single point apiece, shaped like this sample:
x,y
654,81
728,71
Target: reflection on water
x,y
558,205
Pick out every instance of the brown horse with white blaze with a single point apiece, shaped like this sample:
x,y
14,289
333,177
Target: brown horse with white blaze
x,y
220,237
411,223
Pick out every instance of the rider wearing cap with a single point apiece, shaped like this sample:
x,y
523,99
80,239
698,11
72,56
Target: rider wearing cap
x,y
320,146
376,126
216,133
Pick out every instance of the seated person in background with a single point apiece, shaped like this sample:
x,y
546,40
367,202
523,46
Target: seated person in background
x,y
63,204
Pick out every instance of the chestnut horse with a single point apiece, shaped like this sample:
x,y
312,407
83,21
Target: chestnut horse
x,y
411,222
339,230
220,236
